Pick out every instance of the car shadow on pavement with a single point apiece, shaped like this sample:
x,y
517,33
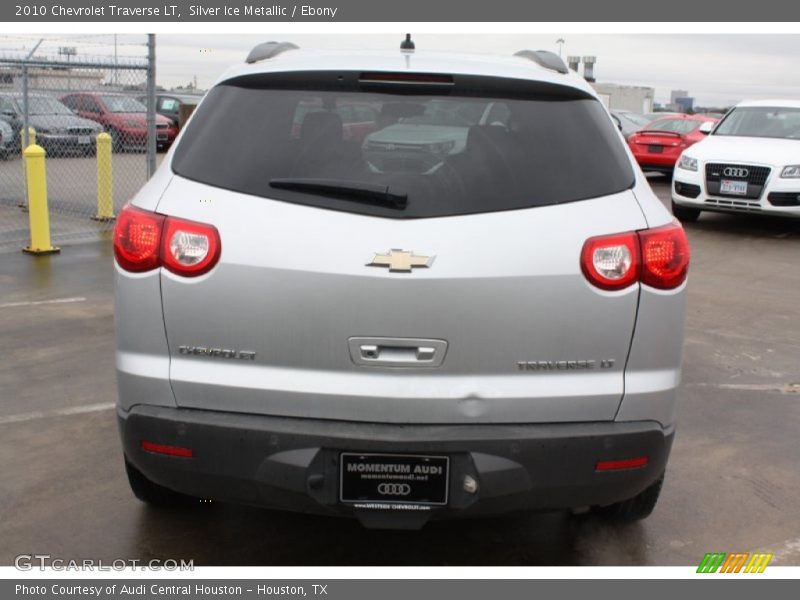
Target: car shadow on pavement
x,y
227,535
759,226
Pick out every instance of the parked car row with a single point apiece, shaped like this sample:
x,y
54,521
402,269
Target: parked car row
x,y
69,125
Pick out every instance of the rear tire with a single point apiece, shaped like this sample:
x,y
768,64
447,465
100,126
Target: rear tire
x,y
685,214
634,509
154,494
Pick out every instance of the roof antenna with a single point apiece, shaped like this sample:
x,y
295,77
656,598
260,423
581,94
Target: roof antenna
x,y
407,45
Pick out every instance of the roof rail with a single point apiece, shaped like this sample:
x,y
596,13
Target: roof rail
x,y
544,58
269,50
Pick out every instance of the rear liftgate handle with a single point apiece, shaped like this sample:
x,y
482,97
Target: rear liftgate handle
x,y
397,352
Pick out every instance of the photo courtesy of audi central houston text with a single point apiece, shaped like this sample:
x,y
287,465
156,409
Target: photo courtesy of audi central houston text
x,y
399,287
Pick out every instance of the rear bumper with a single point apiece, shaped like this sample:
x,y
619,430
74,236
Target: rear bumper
x,y
293,464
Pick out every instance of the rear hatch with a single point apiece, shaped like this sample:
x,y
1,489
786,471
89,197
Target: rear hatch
x,y
345,291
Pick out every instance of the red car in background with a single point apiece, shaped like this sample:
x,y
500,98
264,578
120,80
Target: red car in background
x,y
123,117
658,146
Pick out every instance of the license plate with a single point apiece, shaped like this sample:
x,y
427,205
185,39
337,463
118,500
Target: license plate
x,y
655,148
393,479
738,188
84,139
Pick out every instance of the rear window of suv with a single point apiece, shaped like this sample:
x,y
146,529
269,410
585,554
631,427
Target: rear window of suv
x,y
463,145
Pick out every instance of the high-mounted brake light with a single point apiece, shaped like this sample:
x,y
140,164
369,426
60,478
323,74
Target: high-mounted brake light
x,y
656,257
402,77
144,241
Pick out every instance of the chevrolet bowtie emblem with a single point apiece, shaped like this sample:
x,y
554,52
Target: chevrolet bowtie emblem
x,y
401,261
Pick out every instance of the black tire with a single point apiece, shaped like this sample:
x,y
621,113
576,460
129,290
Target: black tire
x,y
116,141
685,214
154,494
634,509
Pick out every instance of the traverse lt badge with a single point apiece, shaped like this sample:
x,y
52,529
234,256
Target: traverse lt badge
x,y
401,261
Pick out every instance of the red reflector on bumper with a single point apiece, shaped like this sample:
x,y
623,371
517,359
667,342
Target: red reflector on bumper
x,y
617,465
168,450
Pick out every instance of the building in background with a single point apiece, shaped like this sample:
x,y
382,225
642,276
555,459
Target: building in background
x,y
635,98
680,101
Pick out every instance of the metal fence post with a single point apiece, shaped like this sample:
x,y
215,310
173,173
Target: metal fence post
x,y
38,214
105,179
151,104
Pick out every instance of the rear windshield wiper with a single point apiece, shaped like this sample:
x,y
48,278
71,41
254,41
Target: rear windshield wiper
x,y
357,191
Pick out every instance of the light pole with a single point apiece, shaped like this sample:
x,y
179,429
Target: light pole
x,y
68,51
560,42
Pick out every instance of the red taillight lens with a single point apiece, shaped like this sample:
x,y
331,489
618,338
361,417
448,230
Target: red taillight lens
x,y
137,237
144,241
665,256
619,465
611,262
656,257
168,450
189,248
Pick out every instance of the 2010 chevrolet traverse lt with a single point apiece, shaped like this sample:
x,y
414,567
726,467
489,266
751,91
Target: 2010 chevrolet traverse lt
x,y
425,330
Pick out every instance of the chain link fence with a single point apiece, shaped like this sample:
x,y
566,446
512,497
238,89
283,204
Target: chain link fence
x,y
62,100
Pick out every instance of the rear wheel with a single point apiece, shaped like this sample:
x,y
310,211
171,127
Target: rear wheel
x,y
116,140
152,493
685,214
634,509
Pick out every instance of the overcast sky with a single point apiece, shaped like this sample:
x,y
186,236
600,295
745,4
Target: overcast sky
x,y
715,69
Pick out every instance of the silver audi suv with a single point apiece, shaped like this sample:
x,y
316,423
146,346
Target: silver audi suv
x,y
434,330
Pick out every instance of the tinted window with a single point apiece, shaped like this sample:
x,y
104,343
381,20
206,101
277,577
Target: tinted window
x,y
122,104
450,151
676,125
758,121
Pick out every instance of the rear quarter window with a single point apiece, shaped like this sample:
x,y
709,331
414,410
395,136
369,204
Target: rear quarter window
x,y
480,145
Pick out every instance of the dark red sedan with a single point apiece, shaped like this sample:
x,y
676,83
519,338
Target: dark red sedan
x,y
123,117
658,146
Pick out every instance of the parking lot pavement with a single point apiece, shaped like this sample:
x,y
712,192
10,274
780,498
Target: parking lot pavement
x,y
72,197
732,483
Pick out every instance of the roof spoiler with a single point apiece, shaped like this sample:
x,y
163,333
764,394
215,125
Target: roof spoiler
x,y
269,50
544,58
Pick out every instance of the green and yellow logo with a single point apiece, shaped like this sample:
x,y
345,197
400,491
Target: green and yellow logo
x,y
735,562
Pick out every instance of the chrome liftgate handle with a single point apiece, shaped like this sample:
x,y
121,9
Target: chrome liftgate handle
x,y
397,352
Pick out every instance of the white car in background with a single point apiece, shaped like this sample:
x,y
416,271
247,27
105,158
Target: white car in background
x,y
6,139
750,163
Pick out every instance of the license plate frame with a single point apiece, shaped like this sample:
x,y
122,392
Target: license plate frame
x,y
733,187
419,486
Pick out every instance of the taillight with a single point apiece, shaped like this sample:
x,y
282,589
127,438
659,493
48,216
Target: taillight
x,y
137,238
144,241
656,257
189,248
665,256
611,262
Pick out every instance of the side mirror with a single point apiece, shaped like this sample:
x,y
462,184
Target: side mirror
x,y
706,127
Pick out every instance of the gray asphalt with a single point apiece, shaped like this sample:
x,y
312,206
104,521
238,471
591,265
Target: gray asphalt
x,y
732,482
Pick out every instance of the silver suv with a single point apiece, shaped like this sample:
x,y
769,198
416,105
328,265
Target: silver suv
x,y
402,339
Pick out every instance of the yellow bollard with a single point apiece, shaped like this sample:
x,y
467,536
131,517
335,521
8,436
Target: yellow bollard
x,y
31,137
105,179
37,201
31,140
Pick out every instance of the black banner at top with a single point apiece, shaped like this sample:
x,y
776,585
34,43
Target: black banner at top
x,y
712,11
